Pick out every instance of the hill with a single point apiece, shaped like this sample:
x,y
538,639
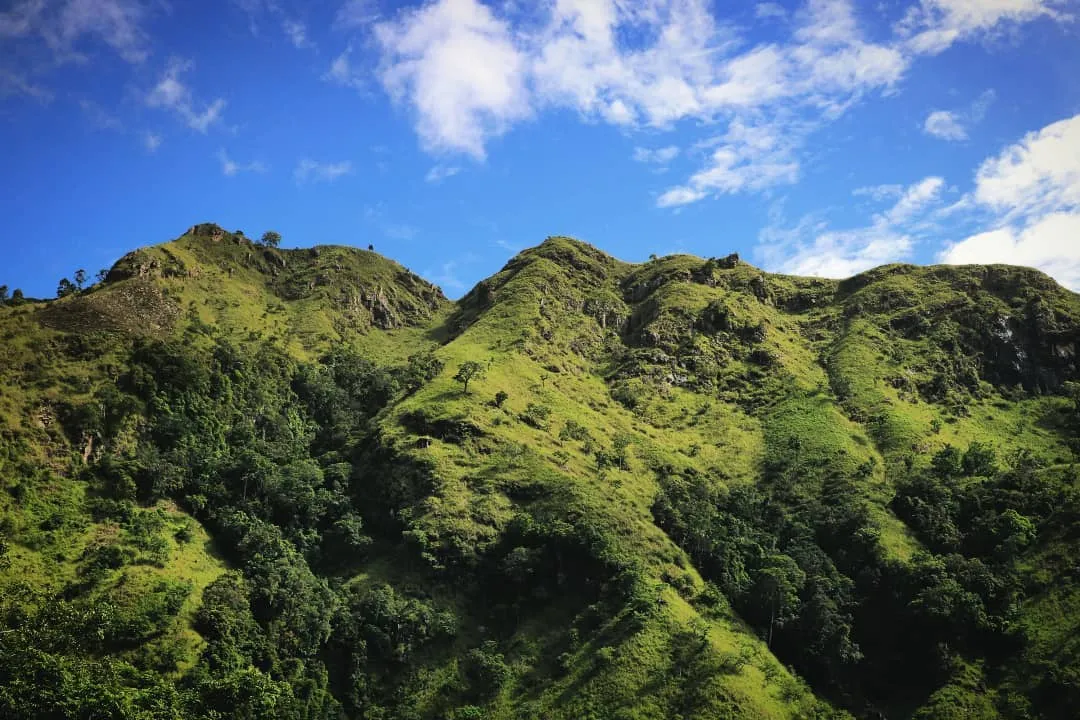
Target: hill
x,y
250,482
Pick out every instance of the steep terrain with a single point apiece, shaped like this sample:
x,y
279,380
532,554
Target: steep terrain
x,y
249,482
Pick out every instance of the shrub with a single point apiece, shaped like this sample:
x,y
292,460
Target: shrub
x,y
536,415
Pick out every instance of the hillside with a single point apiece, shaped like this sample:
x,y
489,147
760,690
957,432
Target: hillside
x,y
248,482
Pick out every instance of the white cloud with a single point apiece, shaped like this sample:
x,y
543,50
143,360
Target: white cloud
x,y
171,93
932,26
1039,174
1049,244
812,248
1025,203
456,64
438,173
879,193
747,157
446,276
355,14
944,125
314,171
678,196
770,10
469,71
1032,190
342,72
297,33
953,126
98,116
229,167
16,83
151,141
657,156
62,25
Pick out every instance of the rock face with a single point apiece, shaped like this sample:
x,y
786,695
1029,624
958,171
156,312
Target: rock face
x,y
145,265
210,230
1032,352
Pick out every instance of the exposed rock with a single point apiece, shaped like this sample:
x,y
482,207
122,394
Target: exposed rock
x,y
210,230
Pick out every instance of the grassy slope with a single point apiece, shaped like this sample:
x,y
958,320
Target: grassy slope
x,y
66,349
829,372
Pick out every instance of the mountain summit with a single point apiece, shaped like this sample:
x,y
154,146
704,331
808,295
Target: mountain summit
x,y
242,481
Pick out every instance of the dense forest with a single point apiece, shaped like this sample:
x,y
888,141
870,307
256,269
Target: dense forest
x,y
238,481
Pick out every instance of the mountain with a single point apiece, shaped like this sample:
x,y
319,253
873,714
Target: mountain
x,y
247,482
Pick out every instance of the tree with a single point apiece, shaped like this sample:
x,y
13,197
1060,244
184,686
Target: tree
x,y
980,460
3,293
421,368
500,398
469,370
371,247
271,239
101,275
16,296
65,288
80,278
778,584
947,463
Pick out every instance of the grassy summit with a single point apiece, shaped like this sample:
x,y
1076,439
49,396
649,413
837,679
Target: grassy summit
x,y
249,482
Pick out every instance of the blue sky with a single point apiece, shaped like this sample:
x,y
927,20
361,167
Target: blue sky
x,y
821,137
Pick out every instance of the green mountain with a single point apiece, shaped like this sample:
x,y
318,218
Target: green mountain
x,y
244,482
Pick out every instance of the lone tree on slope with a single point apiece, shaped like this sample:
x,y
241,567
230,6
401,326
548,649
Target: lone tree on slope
x,y
65,288
271,239
469,370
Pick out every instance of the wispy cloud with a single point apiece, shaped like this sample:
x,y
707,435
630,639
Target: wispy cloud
x,y
63,25
356,14
812,247
879,193
1023,209
170,93
445,276
151,142
230,167
933,26
341,72
308,170
953,125
17,83
944,125
99,117
770,10
746,157
438,173
297,33
657,156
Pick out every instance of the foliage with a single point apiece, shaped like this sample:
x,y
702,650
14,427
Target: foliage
x,y
270,239
467,371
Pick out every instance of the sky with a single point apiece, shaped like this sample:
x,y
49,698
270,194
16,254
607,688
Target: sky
x,y
818,137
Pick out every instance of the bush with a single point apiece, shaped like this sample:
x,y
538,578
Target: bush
x,y
486,671
573,430
536,415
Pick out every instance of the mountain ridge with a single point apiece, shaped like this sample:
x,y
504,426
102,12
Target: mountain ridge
x,y
684,487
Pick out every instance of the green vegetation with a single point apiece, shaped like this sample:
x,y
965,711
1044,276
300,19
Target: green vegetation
x,y
240,481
